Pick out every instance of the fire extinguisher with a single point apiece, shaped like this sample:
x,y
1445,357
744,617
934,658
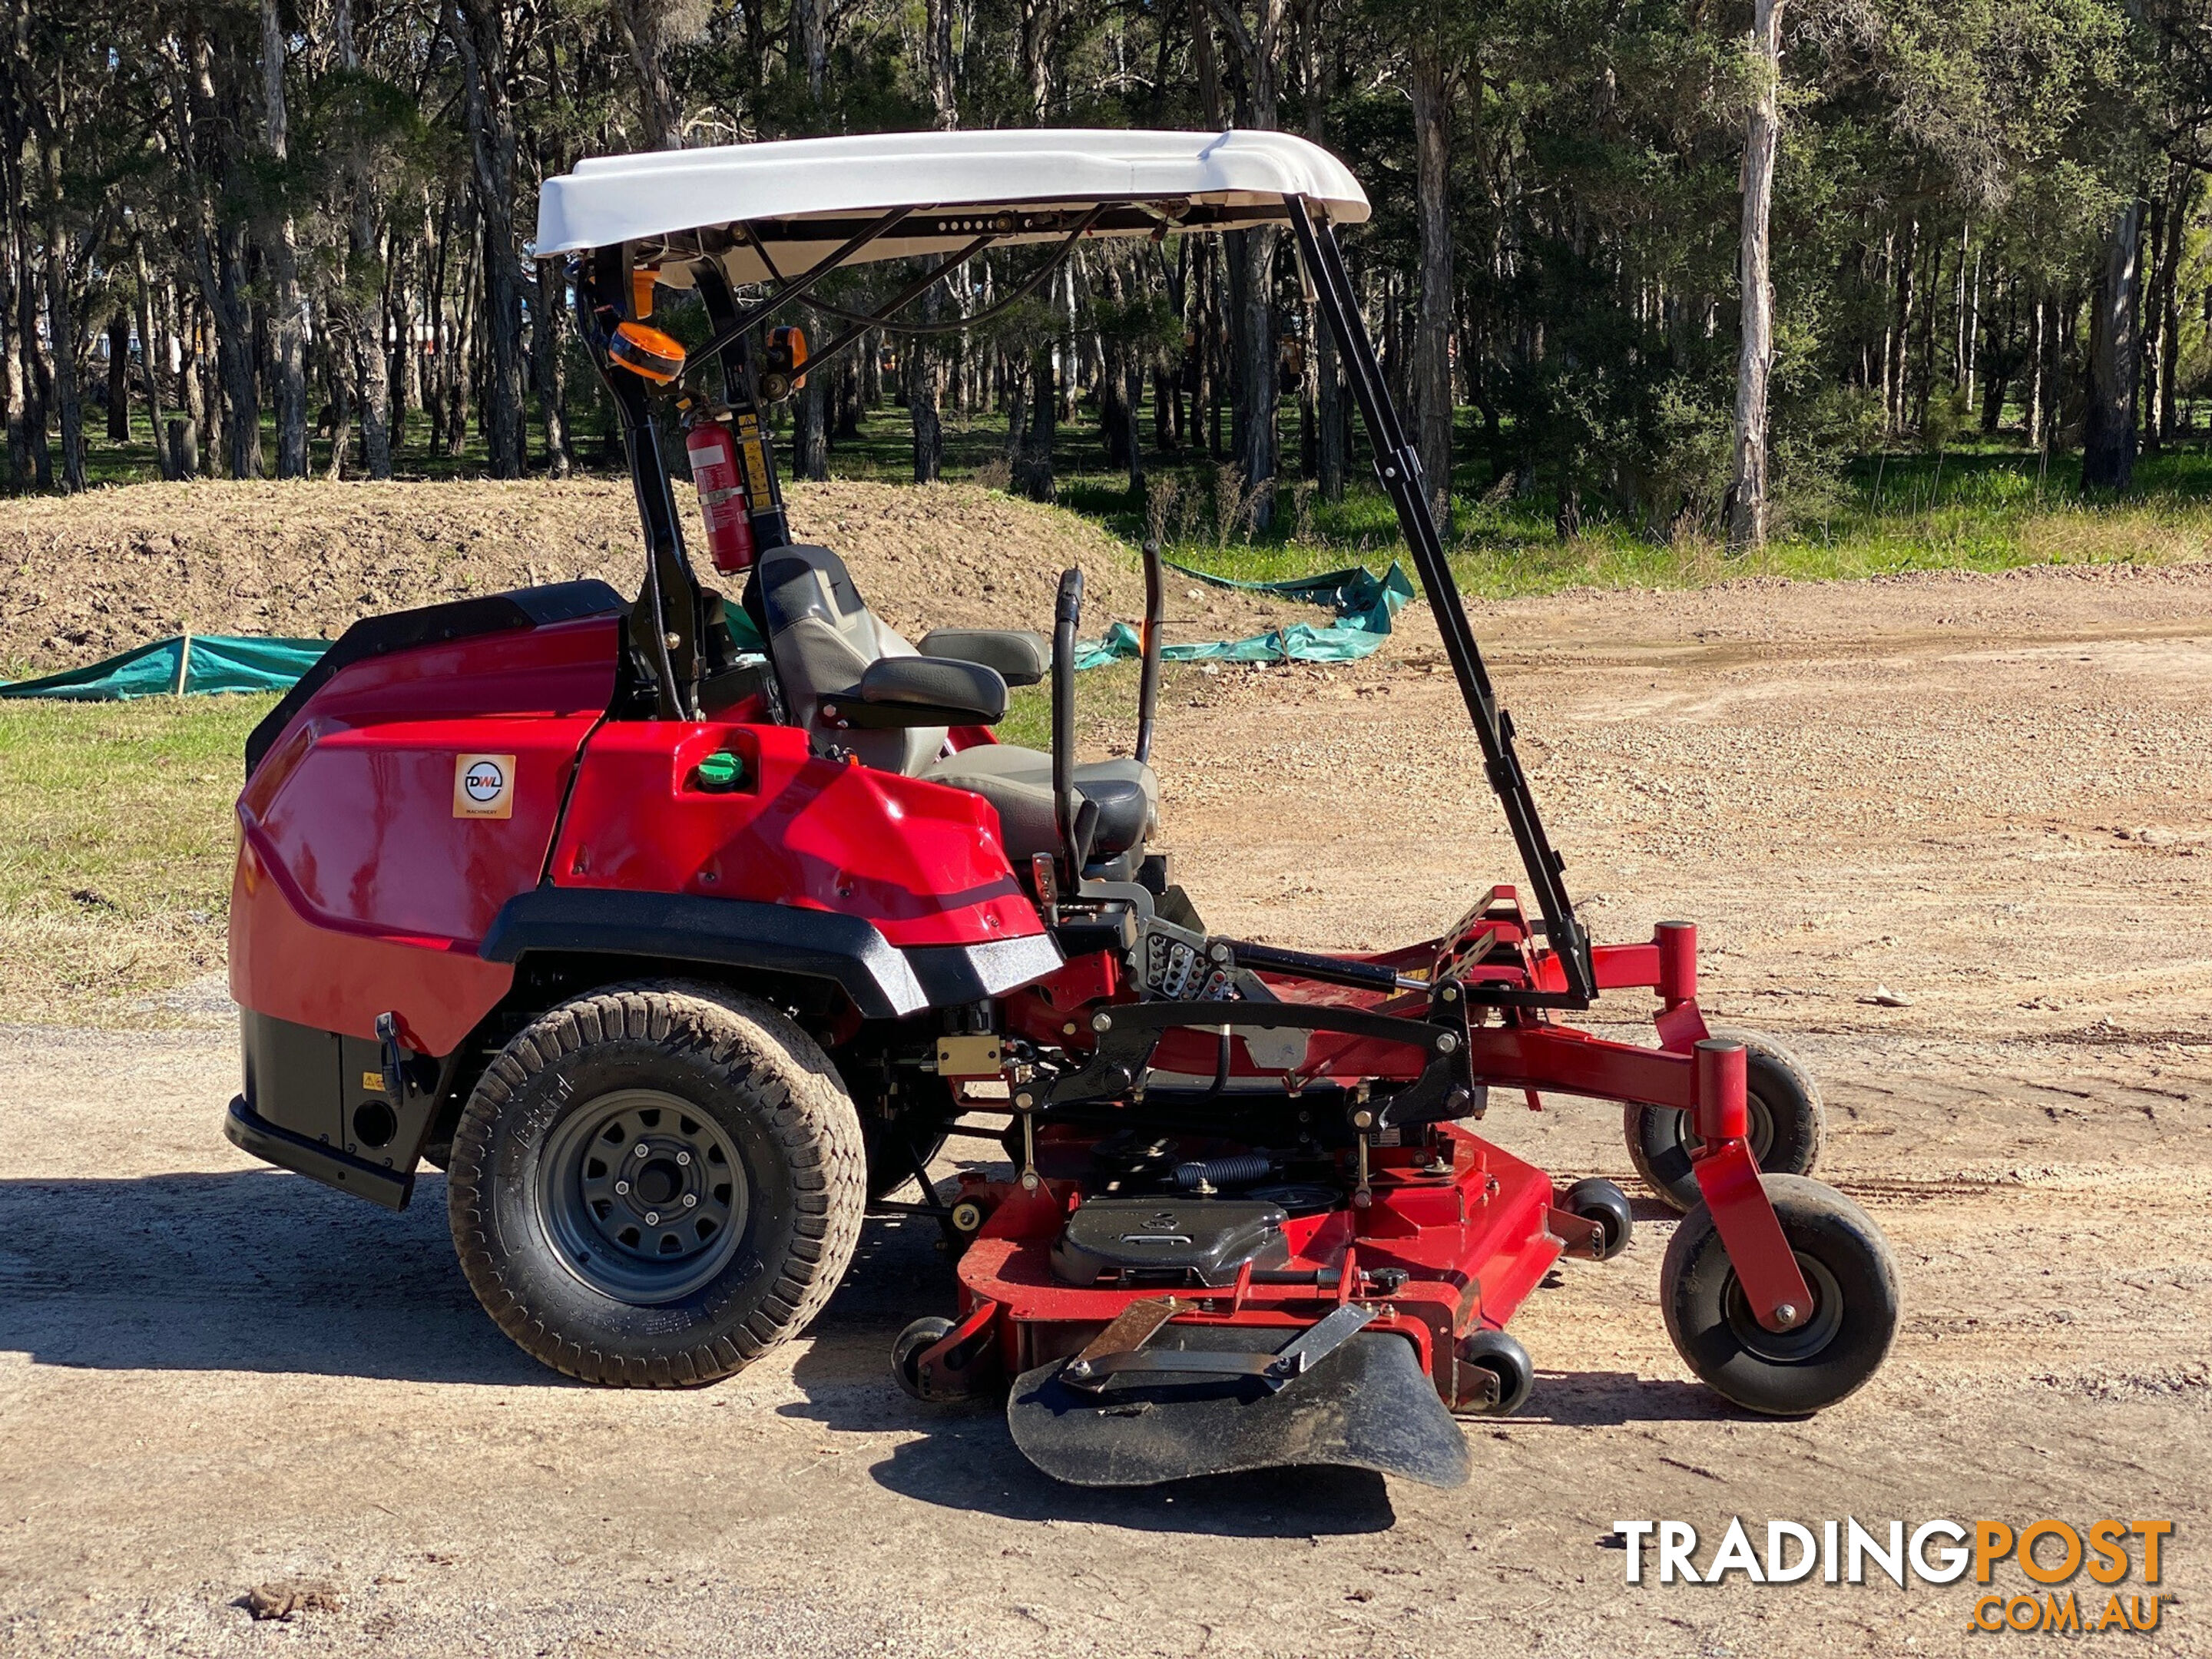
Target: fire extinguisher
x,y
722,504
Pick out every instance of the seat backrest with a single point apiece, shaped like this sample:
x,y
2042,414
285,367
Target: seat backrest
x,y
821,637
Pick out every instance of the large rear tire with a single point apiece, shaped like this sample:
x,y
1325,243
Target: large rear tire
x,y
1787,1123
654,1184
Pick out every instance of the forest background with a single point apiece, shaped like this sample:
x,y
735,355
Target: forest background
x,y
1835,287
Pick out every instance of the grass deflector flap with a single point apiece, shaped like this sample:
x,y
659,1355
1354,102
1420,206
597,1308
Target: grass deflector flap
x,y
1365,603
182,663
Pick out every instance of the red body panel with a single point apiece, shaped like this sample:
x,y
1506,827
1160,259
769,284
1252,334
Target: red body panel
x,y
921,861
290,967
361,888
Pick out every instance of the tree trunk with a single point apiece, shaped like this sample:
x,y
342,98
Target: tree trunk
x,y
1328,385
2035,371
1925,389
118,375
61,325
366,283
288,338
809,437
153,359
548,323
642,26
1747,502
1431,347
12,386
1997,379
1033,473
478,29
1038,18
2108,433
939,63
1897,350
2168,321
193,380
924,378
1259,47
810,42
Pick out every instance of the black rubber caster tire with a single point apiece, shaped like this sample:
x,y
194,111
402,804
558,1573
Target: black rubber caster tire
x,y
724,1236
1598,1200
1841,1342
1506,1358
906,1351
1788,1120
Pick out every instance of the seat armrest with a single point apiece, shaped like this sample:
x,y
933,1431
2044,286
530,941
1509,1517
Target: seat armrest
x,y
912,691
1020,657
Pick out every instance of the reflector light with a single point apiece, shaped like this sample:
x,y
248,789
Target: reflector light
x,y
646,352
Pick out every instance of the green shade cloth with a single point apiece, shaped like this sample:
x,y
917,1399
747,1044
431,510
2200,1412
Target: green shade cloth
x,y
187,663
1365,605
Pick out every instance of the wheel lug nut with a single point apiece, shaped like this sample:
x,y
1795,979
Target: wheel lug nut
x,y
653,1218
621,1186
683,1157
691,1199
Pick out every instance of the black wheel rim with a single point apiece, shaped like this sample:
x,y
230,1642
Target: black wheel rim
x,y
642,1195
1804,1342
1759,1127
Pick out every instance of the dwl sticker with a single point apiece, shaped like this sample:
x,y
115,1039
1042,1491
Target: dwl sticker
x,y
483,786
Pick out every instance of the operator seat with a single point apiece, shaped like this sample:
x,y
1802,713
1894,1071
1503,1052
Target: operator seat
x,y
822,638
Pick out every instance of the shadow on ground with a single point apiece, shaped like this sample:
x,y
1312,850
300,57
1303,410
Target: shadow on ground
x,y
245,1271
965,1460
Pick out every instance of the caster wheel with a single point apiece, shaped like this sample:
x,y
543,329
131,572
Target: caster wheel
x,y
1787,1120
1601,1201
913,1342
1502,1357
1840,1343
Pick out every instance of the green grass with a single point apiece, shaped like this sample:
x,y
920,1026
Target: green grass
x,y
115,849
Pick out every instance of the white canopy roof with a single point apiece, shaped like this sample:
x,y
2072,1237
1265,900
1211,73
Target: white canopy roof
x,y
806,197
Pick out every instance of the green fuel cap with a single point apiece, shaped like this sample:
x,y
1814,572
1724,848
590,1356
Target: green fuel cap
x,y
721,771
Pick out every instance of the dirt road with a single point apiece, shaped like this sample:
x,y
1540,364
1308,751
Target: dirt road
x,y
1989,796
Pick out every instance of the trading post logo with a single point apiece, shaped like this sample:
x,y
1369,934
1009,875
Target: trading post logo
x,y
2051,1554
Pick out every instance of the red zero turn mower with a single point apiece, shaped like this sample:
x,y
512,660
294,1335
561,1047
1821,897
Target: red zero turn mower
x,y
683,931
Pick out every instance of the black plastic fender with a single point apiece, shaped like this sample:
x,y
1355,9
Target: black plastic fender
x,y
884,982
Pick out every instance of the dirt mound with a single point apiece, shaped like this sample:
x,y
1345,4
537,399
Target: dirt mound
x,y
92,575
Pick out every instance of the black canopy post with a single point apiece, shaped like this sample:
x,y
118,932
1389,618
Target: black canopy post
x,y
1400,468
665,622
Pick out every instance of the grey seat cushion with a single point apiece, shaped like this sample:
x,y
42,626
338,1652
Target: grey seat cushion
x,y
1019,782
822,638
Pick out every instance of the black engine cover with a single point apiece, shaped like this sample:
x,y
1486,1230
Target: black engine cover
x,y
1167,1240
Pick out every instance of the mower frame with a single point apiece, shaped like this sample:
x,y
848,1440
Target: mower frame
x,y
1014,993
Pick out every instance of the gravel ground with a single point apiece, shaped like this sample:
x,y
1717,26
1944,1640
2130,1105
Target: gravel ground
x,y
1987,795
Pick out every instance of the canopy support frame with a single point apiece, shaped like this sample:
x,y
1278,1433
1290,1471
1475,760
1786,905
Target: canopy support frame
x,y
1398,465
